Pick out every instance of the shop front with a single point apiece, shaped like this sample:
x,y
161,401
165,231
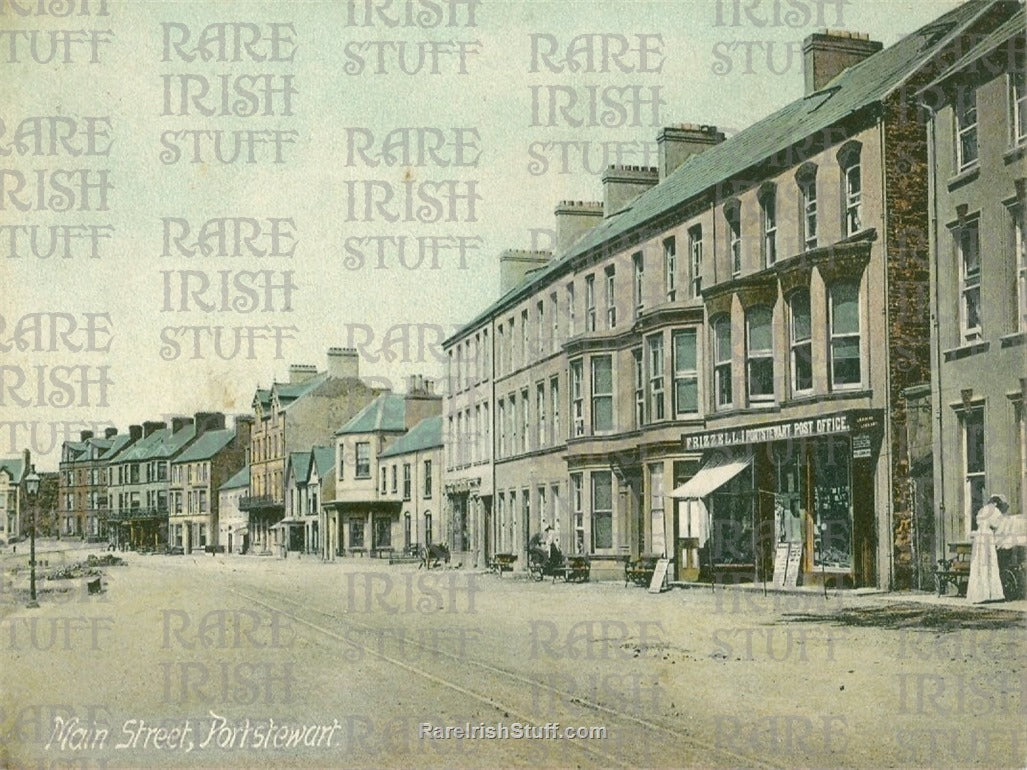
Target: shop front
x,y
789,502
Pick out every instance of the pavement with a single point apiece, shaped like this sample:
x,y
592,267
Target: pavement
x,y
368,664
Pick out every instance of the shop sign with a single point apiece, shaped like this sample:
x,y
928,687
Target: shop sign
x,y
843,422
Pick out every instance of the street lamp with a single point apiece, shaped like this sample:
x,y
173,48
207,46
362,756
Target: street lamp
x,y
32,490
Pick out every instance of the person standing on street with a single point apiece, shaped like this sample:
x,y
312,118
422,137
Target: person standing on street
x,y
985,584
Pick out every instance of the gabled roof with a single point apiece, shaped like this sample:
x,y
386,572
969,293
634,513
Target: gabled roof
x,y
324,460
299,462
118,443
427,434
206,446
144,448
1013,26
386,414
173,443
239,480
14,466
854,90
262,396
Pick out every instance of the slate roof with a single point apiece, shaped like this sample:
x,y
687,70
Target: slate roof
x,y
324,460
173,443
387,413
300,462
853,90
14,466
144,448
1014,25
263,397
427,434
239,480
118,443
206,446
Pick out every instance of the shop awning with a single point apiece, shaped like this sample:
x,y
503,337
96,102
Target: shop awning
x,y
288,521
717,472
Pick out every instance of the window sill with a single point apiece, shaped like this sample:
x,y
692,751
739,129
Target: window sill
x,y
1010,340
965,176
965,351
1015,153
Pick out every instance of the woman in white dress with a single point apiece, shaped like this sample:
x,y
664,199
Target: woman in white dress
x,y
985,584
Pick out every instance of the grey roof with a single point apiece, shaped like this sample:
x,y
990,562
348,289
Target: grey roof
x,y
324,460
427,434
239,480
263,397
14,466
852,91
118,443
1014,25
144,448
206,446
174,443
300,463
387,413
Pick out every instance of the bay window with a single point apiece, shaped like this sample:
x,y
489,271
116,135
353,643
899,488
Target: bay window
x,y
577,399
845,371
602,510
686,373
760,354
639,370
656,385
722,362
801,334
602,394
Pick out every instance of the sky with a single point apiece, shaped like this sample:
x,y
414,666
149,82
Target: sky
x,y
107,123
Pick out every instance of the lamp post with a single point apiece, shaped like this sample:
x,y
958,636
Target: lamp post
x,y
32,490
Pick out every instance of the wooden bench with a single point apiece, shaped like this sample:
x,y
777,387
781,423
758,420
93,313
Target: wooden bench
x,y
954,570
357,551
382,552
503,562
640,569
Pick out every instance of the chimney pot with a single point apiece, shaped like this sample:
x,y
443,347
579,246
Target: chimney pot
x,y
109,432
343,363
85,435
622,184
676,144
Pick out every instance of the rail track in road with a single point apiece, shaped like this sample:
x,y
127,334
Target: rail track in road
x,y
506,703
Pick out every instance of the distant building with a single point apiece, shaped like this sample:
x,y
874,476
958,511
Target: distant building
x,y
310,479
364,516
418,499
12,473
197,474
294,417
82,494
233,524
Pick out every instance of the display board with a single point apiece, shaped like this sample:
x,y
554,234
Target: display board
x,y
781,564
659,576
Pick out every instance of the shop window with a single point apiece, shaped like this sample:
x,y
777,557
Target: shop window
x,y
639,370
686,373
695,256
1018,106
656,383
966,128
602,394
846,370
670,269
973,463
611,297
801,333
852,187
768,216
732,510
760,354
356,533
590,303
722,362
638,272
363,469
602,510
832,505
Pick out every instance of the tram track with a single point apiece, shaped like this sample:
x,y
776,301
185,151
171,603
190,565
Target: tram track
x,y
501,703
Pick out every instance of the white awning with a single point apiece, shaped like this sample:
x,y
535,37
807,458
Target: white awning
x,y
717,472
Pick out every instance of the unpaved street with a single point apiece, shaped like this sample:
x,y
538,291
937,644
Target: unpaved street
x,y
249,662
